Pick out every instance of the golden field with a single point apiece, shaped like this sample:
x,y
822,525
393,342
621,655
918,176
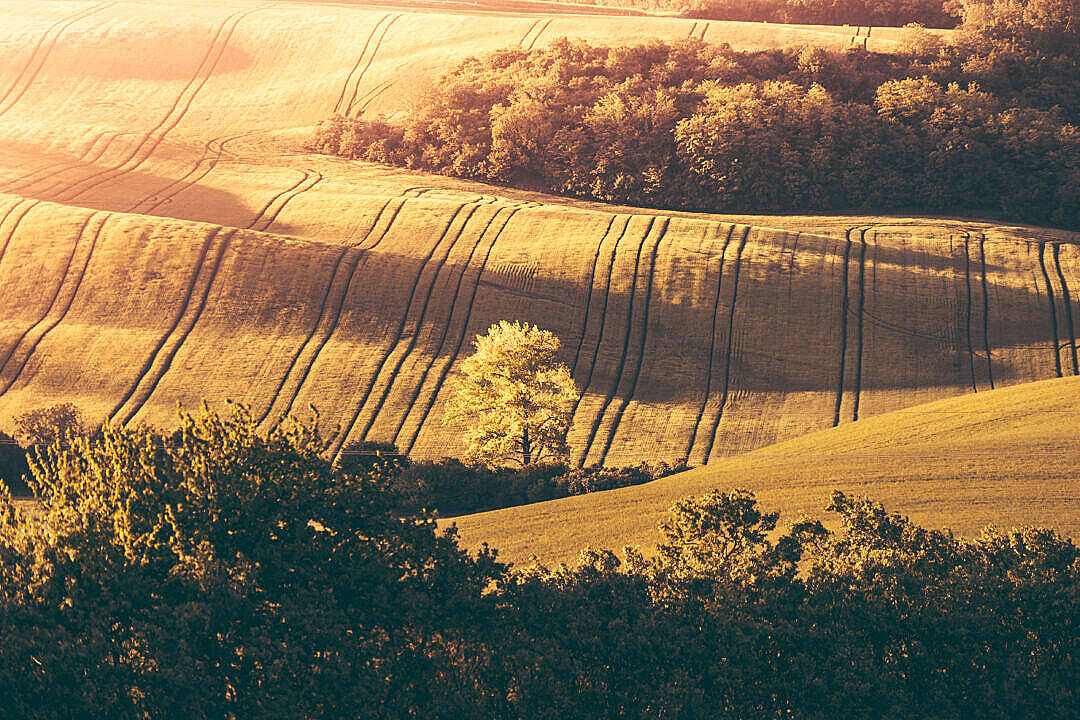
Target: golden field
x,y
166,237
1006,457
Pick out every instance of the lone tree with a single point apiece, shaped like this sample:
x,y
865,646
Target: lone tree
x,y
514,397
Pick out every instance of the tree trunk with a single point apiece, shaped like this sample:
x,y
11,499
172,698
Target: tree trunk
x,y
526,451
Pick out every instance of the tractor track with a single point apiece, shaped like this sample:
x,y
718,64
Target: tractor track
x,y
967,311
588,295
1068,308
521,42
986,310
1053,308
176,113
441,380
371,59
341,439
624,401
285,197
63,313
356,65
15,226
139,400
446,327
859,326
844,305
55,296
199,264
603,318
539,32
727,350
625,348
415,336
87,157
332,317
40,55
712,344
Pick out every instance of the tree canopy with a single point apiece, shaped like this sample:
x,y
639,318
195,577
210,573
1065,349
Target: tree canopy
x,y
514,397
221,572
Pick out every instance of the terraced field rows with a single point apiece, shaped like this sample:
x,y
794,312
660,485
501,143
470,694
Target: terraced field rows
x,y
285,279
690,338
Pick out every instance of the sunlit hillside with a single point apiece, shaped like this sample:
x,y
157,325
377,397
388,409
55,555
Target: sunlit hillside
x,y
1005,457
166,237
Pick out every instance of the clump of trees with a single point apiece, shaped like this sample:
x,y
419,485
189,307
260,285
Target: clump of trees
x,y
38,428
932,13
985,127
513,397
233,573
448,487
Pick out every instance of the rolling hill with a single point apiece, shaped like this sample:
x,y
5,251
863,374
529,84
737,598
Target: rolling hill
x,y
1005,457
165,237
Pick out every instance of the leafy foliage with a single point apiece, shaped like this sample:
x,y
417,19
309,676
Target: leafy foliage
x,y
233,574
699,127
227,573
449,488
514,397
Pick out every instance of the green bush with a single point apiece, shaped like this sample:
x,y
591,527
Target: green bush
x,y
223,573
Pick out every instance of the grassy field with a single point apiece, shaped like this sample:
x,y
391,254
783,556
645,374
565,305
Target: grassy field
x,y
1006,457
165,237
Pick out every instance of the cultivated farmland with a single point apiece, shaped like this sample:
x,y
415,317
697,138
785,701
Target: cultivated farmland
x,y
1004,457
165,237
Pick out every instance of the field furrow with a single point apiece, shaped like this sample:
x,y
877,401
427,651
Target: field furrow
x,y
40,54
710,357
444,368
158,362
14,360
616,377
638,357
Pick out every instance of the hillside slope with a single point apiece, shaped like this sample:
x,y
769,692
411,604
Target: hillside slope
x,y
690,338
1005,457
165,238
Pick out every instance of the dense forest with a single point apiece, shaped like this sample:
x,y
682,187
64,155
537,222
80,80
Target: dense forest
x,y
887,13
985,127
222,573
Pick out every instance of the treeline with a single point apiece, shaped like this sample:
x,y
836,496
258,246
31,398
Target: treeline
x,y
449,487
985,128
887,13
218,572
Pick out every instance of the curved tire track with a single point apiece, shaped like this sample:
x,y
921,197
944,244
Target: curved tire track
x,y
1068,308
282,400
363,51
171,342
624,401
441,380
55,296
371,59
728,349
40,55
603,320
625,348
176,113
447,241
46,327
421,322
589,294
859,327
1053,308
844,305
986,311
712,344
